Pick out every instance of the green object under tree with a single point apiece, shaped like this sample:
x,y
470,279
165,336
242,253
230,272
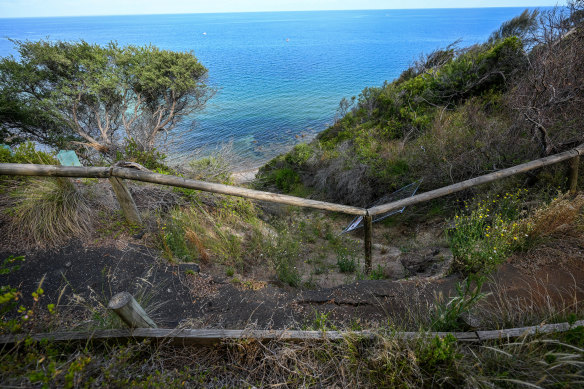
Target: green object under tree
x,y
68,158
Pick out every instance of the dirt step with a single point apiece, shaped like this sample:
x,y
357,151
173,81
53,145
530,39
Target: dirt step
x,y
425,263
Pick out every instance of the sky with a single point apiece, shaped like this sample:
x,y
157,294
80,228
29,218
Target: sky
x,y
39,8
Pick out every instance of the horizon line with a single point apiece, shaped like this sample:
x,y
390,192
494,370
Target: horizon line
x,y
280,11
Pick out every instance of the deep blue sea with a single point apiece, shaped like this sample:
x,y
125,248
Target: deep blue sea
x,y
280,75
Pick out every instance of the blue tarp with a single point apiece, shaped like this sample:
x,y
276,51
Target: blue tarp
x,y
68,158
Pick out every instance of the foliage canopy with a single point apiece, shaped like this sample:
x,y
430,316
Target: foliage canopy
x,y
98,96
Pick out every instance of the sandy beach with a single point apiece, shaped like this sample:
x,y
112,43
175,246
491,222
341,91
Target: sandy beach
x,y
244,176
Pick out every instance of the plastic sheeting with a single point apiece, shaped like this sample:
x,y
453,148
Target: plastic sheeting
x,y
68,158
402,193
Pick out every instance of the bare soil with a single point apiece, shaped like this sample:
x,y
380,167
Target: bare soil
x,y
78,276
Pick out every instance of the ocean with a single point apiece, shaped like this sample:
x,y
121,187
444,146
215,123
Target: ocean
x,y
280,75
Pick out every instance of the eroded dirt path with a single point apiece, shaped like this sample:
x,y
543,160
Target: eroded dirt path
x,y
178,295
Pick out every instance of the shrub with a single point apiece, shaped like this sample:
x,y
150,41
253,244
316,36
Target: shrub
x,y
377,273
14,315
285,179
447,315
299,155
212,169
150,159
27,153
487,233
174,241
9,296
285,252
438,353
287,272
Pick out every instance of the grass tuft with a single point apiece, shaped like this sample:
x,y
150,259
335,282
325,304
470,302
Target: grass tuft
x,y
48,212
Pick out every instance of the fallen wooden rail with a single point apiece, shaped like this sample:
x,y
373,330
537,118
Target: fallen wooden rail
x,y
117,174
213,336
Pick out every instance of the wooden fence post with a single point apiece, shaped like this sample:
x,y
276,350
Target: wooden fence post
x,y
126,201
573,174
368,230
128,309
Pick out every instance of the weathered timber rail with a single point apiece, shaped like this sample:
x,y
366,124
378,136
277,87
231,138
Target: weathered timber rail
x,y
213,336
573,154
14,169
117,174
181,182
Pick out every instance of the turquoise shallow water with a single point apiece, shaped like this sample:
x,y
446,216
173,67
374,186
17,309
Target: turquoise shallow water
x,y
280,75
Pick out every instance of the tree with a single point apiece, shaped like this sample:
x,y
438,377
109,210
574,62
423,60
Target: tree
x,y
548,97
98,96
344,106
520,26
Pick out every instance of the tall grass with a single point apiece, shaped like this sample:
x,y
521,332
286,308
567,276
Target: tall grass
x,y
229,233
540,303
386,362
47,212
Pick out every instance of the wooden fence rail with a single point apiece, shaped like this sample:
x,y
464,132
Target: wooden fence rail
x,y
130,212
181,182
444,191
213,336
16,169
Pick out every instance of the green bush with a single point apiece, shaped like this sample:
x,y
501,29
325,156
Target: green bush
x,y
439,353
299,155
487,232
287,272
27,153
285,179
9,296
174,241
14,315
447,315
153,159
284,251
212,168
377,273
283,171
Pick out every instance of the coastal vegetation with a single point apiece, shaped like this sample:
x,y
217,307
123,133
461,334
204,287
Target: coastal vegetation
x,y
104,98
454,114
